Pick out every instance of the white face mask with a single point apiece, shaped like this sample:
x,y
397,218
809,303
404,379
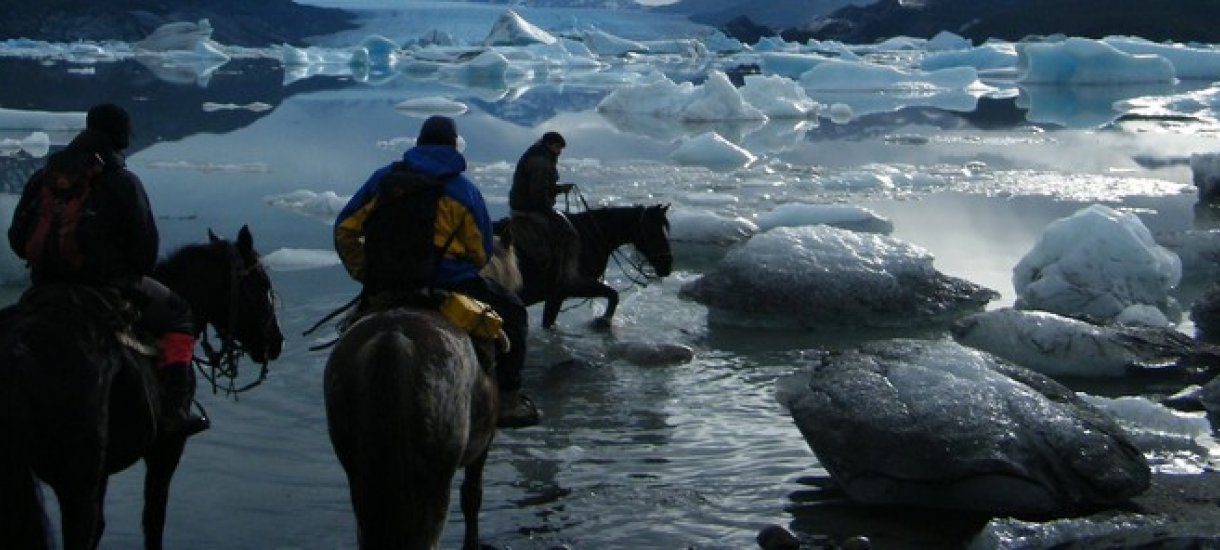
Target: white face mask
x,y
461,144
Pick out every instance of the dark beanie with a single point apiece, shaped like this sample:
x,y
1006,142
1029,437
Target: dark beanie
x,y
553,138
438,130
112,120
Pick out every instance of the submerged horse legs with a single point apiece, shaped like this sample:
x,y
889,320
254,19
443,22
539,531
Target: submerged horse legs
x,y
580,289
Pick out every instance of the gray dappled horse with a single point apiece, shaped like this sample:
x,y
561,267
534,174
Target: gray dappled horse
x,y
75,407
407,404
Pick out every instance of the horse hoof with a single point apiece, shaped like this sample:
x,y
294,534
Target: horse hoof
x,y
603,323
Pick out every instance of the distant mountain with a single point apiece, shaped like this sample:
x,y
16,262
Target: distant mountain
x,y
599,4
251,23
1178,20
772,13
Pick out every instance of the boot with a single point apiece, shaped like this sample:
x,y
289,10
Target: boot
x,y
517,411
177,383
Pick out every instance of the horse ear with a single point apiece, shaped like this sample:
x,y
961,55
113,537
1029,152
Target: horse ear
x,y
245,240
212,236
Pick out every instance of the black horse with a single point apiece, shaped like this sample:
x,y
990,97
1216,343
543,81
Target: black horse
x,y
77,404
602,231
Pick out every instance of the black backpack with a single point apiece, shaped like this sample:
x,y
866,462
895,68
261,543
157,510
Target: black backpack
x,y
400,253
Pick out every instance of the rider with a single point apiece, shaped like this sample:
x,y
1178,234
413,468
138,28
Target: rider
x,y
462,214
544,233
118,245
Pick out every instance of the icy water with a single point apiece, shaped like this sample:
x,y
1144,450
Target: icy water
x,y
692,455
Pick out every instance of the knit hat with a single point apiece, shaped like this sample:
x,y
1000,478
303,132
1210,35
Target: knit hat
x,y
553,138
438,130
112,120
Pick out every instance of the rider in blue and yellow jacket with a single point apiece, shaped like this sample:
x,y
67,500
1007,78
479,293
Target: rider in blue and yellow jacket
x,y
463,230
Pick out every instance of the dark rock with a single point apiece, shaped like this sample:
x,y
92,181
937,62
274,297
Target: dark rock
x,y
745,30
1182,21
236,22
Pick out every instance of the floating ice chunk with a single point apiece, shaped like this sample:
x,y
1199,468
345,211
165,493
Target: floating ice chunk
x,y
1055,345
489,68
1205,172
298,259
37,144
711,151
1085,61
604,43
324,206
46,121
945,40
705,227
777,97
181,35
1094,264
435,105
256,107
853,76
841,113
820,275
513,30
854,218
715,100
937,425
789,64
986,57
1188,62
376,52
12,268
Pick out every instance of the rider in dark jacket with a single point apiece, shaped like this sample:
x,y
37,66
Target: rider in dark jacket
x,y
544,234
118,243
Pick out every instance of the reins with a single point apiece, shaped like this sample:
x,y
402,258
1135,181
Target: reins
x,y
618,257
220,363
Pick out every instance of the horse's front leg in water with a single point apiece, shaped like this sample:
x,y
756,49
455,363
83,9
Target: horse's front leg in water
x,y
160,463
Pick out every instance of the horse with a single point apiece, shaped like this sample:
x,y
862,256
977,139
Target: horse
x,y
602,231
408,403
77,404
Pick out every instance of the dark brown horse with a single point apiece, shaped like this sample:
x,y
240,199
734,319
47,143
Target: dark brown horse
x,y
408,404
602,231
76,405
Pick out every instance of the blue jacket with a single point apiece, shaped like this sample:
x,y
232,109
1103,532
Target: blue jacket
x,y
461,212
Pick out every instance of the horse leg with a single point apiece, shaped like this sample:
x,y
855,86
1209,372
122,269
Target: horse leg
x,y
472,500
160,464
580,289
80,510
23,522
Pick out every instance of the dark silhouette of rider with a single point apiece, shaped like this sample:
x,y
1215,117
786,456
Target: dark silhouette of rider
x,y
544,235
462,214
116,248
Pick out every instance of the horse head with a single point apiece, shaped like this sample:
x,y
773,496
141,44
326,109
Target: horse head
x,y
244,307
652,238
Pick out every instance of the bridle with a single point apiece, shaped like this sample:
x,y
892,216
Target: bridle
x,y
638,274
220,363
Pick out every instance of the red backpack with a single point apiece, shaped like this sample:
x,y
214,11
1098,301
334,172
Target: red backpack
x,y
57,211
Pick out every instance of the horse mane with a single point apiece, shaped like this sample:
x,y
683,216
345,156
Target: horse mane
x,y
502,267
183,261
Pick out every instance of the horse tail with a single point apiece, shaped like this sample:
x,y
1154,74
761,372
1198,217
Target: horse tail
x,y
409,421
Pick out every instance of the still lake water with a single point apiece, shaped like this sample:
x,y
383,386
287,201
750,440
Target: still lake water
x,y
693,455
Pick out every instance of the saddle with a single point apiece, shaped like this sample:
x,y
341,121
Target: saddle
x,y
548,243
108,318
477,319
